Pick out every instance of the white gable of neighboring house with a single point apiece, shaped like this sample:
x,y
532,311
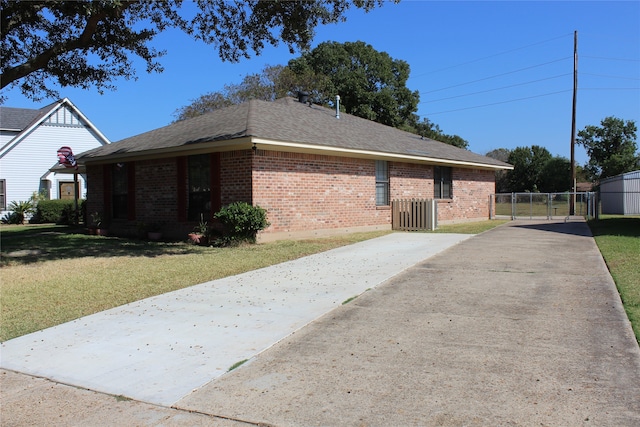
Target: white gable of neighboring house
x,y
29,150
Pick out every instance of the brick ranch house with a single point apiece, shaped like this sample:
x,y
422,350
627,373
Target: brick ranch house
x,y
314,171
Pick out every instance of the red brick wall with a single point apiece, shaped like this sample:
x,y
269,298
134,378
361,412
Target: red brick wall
x,y
235,176
411,181
301,192
95,190
305,192
471,190
156,191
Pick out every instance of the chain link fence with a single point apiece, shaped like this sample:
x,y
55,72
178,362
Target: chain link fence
x,y
542,205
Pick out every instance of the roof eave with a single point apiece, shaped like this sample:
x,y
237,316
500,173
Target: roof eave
x,y
348,152
182,150
249,142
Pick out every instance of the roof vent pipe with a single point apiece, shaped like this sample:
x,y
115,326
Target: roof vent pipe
x,y
303,97
337,106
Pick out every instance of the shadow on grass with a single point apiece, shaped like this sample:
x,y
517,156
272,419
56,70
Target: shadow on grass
x,y
616,226
37,244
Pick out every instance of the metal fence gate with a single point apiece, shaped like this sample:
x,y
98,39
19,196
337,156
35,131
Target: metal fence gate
x,y
542,205
414,214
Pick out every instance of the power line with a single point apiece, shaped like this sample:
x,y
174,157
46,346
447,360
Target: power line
x,y
609,77
610,88
499,88
519,84
610,59
491,56
498,103
500,75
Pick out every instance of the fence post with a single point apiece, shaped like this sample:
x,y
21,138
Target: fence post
x,y
490,206
530,205
434,214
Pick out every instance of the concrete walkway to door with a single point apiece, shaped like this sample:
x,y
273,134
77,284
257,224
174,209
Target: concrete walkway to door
x,y
521,325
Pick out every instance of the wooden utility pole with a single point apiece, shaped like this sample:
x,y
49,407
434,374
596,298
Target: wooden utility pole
x,y
572,198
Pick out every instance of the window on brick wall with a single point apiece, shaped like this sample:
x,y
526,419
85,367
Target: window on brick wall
x,y
382,183
199,182
442,182
120,190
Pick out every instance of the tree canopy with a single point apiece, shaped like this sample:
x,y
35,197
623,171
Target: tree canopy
x,y
611,147
270,85
431,130
92,43
535,170
528,164
502,183
371,84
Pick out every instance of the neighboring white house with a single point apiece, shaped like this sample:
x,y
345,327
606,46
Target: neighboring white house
x,y
620,194
29,142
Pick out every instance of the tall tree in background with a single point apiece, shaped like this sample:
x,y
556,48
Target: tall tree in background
x,y
528,168
431,130
371,84
556,175
91,43
502,183
611,147
267,86
535,170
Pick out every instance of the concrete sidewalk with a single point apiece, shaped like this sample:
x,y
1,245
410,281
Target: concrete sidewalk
x,y
521,325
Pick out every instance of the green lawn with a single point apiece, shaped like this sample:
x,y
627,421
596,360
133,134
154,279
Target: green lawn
x,y
618,239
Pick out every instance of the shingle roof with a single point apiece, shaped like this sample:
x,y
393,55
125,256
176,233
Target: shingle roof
x,y
292,122
18,119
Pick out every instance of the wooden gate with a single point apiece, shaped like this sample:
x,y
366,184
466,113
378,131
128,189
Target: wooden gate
x,y
414,214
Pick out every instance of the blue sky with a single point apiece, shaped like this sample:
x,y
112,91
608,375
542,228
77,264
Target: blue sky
x,y
499,74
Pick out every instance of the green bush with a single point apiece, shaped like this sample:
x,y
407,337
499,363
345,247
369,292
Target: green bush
x,y
242,222
19,210
57,211
12,218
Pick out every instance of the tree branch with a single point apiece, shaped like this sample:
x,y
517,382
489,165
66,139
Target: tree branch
x,y
40,61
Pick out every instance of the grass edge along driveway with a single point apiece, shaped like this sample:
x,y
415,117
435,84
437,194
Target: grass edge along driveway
x,y
618,238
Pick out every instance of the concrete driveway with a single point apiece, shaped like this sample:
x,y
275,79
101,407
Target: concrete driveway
x,y
521,325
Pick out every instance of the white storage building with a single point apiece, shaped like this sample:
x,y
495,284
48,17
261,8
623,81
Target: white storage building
x,y
620,194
